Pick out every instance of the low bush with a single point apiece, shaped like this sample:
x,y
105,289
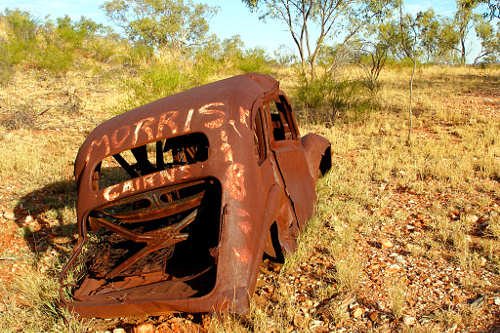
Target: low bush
x,y
159,81
254,61
324,99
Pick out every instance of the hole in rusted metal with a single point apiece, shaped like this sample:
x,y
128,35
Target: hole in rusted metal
x,y
156,156
128,207
140,245
259,140
281,121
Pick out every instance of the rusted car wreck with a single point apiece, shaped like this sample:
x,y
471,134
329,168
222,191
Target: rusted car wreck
x,y
179,199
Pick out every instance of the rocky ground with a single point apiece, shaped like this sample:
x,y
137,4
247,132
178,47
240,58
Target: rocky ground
x,y
420,256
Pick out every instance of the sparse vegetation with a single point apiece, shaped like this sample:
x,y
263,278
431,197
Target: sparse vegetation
x,y
405,237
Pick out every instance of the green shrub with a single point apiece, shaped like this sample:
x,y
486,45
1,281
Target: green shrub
x,y
324,99
140,54
21,36
76,33
157,82
57,59
254,61
22,25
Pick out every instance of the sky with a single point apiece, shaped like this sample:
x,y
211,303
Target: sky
x,y
233,17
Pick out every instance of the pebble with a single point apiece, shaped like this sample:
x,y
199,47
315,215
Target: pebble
x,y
409,227
386,243
144,328
408,320
357,313
497,300
298,320
119,330
393,269
482,261
9,215
484,219
473,218
373,315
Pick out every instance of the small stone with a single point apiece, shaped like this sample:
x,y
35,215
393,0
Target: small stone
x,y
119,330
401,260
497,300
393,269
373,315
357,313
144,328
483,219
408,320
61,240
386,243
9,215
473,218
482,261
298,320
316,325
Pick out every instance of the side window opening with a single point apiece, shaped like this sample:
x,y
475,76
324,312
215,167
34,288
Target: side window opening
x,y
258,134
281,121
153,157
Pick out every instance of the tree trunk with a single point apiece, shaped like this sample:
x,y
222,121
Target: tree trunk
x,y
410,112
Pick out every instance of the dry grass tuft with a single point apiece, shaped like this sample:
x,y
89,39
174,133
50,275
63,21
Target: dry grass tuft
x,y
399,230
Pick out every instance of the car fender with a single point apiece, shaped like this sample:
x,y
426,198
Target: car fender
x,y
318,154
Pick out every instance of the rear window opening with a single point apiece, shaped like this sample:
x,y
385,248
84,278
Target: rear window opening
x,y
282,124
156,156
162,242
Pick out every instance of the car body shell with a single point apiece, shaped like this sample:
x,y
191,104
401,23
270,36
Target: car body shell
x,y
249,189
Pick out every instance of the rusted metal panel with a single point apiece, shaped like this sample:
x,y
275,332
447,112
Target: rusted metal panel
x,y
178,200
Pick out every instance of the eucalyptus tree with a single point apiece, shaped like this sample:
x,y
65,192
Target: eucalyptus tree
x,y
490,40
410,41
464,19
158,23
312,22
494,6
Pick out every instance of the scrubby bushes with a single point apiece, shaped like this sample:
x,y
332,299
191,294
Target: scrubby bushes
x,y
51,46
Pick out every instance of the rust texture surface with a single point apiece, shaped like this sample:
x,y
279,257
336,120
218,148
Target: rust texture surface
x,y
179,199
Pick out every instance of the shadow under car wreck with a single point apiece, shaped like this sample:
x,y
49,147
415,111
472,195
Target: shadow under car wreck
x,y
179,199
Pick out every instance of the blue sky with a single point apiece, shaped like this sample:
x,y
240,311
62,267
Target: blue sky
x,y
233,17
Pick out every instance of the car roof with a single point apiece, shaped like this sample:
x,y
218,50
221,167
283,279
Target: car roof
x,y
216,105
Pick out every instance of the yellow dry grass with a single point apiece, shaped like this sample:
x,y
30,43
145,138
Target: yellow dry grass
x,y
455,151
